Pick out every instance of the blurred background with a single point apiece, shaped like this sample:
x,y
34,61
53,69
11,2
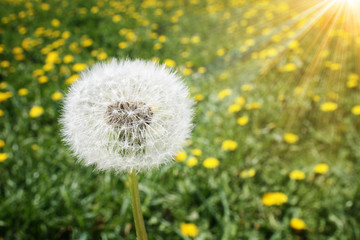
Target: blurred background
x,y
275,149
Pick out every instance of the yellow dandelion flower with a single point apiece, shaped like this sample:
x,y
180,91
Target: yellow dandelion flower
x,y
223,76
191,162
23,91
78,67
247,87
162,38
196,152
52,57
181,156
328,107
321,168
71,79
224,93
274,198
211,163
316,98
123,45
298,90
45,6
187,71
3,156
36,111
5,96
201,70
155,59
68,58
240,101
352,81
253,106
43,79
157,46
55,22
34,147
290,138
3,85
294,44
5,64
48,67
189,229
101,56
94,9
199,97
297,224
297,175
356,110
234,108
1,113
87,42
243,120
2,143
38,72
17,50
221,52
229,145
335,66
248,173
195,39
56,96
66,35
290,67
169,62
116,18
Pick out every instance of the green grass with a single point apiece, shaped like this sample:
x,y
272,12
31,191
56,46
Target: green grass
x,y
46,194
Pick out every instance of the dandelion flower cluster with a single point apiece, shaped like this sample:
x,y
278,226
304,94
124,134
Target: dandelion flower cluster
x,y
127,115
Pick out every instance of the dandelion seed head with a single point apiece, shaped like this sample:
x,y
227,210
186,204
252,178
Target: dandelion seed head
x,y
125,115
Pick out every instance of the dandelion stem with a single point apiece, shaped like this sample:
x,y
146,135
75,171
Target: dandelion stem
x,y
136,206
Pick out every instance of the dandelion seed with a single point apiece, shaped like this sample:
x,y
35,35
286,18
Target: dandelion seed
x,y
127,115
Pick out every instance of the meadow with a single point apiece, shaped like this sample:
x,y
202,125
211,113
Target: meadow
x,y
274,152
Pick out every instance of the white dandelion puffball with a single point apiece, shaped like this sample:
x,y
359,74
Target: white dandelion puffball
x,y
127,115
